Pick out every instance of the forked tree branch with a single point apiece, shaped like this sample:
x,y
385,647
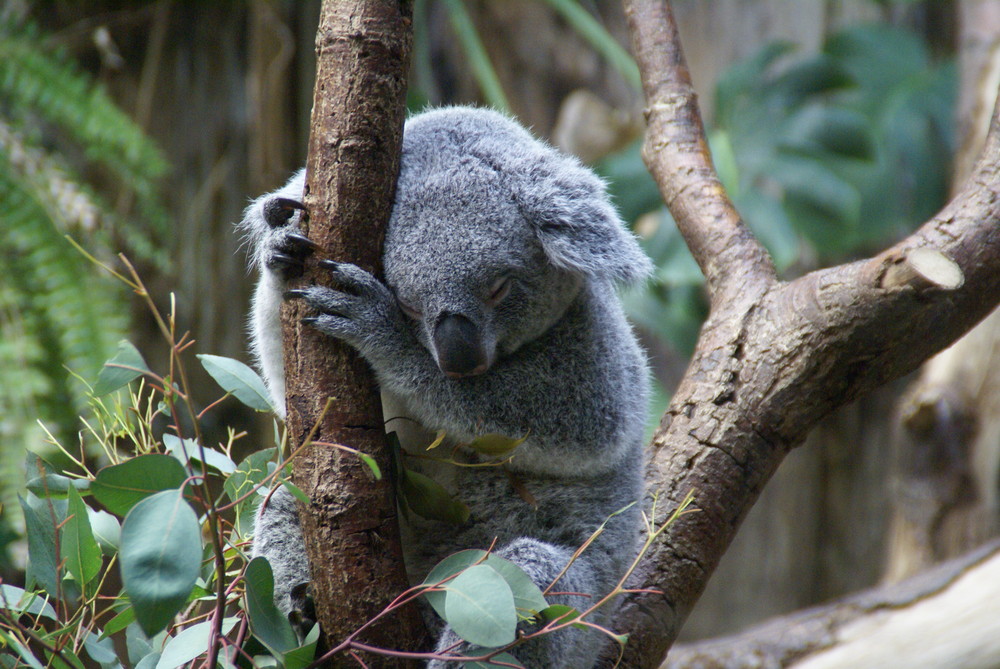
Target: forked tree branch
x,y
773,358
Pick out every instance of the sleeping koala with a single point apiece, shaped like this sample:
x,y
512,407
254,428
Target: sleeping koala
x,y
498,314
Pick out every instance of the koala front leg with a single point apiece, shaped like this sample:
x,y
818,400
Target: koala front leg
x,y
570,648
278,251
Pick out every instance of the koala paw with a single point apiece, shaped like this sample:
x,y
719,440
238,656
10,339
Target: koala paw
x,y
286,248
360,311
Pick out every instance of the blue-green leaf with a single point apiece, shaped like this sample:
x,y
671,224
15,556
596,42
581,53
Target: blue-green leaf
x,y
238,380
78,547
160,557
120,487
479,606
126,365
190,643
268,623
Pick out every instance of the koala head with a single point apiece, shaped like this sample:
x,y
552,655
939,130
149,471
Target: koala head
x,y
493,235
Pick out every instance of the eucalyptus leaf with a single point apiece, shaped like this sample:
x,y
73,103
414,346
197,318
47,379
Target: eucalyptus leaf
x,y
187,449
495,445
269,624
125,366
19,601
190,643
120,487
479,607
238,380
40,519
160,557
77,545
528,597
428,498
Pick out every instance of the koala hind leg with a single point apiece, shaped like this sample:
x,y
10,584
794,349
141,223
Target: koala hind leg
x,y
570,648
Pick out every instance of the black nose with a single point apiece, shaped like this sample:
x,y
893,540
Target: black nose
x,y
460,348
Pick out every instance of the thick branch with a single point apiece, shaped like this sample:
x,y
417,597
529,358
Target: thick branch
x,y
363,51
677,155
774,358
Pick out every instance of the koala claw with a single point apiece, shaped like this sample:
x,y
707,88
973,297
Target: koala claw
x,y
278,211
294,294
302,241
290,266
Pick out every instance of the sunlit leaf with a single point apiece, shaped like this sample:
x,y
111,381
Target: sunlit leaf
x,y
238,380
479,606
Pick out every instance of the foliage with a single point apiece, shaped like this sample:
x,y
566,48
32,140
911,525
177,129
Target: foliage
x,y
827,156
174,514
61,138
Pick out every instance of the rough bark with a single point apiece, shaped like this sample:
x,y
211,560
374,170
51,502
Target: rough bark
x,y
773,357
946,617
358,111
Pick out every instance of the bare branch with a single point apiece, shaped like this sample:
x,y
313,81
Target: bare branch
x,y
774,358
677,155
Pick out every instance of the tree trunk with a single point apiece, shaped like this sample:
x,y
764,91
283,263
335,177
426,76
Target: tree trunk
x,y
350,525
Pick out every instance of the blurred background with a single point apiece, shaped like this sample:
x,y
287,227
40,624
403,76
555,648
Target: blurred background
x,y
838,126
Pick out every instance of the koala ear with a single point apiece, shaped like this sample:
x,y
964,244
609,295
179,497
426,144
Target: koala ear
x,y
577,225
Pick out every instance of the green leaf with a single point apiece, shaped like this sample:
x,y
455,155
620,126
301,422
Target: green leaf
x,y
44,480
120,487
372,465
302,657
78,547
100,650
186,450
295,491
252,471
190,643
19,601
121,620
107,530
238,380
160,557
126,365
428,498
268,623
528,598
479,606
40,519
495,445
560,612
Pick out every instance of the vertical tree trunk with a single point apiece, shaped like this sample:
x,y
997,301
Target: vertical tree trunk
x,y
350,525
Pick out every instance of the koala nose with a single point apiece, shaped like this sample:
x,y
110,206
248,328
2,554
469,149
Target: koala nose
x,y
459,346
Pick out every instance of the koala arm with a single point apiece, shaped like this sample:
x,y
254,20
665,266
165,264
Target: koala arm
x,y
582,411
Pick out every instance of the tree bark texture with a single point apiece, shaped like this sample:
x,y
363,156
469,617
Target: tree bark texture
x,y
773,357
946,617
350,526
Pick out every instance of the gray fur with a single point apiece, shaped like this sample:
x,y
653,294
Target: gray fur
x,y
479,199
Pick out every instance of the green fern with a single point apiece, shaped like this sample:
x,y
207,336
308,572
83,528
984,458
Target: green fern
x,y
59,313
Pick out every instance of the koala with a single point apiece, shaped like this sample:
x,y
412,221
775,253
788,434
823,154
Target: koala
x,y
498,313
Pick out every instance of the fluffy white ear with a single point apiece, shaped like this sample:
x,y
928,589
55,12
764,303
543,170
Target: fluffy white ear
x,y
580,230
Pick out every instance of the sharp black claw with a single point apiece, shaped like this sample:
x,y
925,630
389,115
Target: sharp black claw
x,y
329,264
279,210
294,293
285,259
310,320
302,240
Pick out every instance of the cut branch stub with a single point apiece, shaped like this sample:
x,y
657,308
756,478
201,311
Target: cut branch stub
x,y
924,268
